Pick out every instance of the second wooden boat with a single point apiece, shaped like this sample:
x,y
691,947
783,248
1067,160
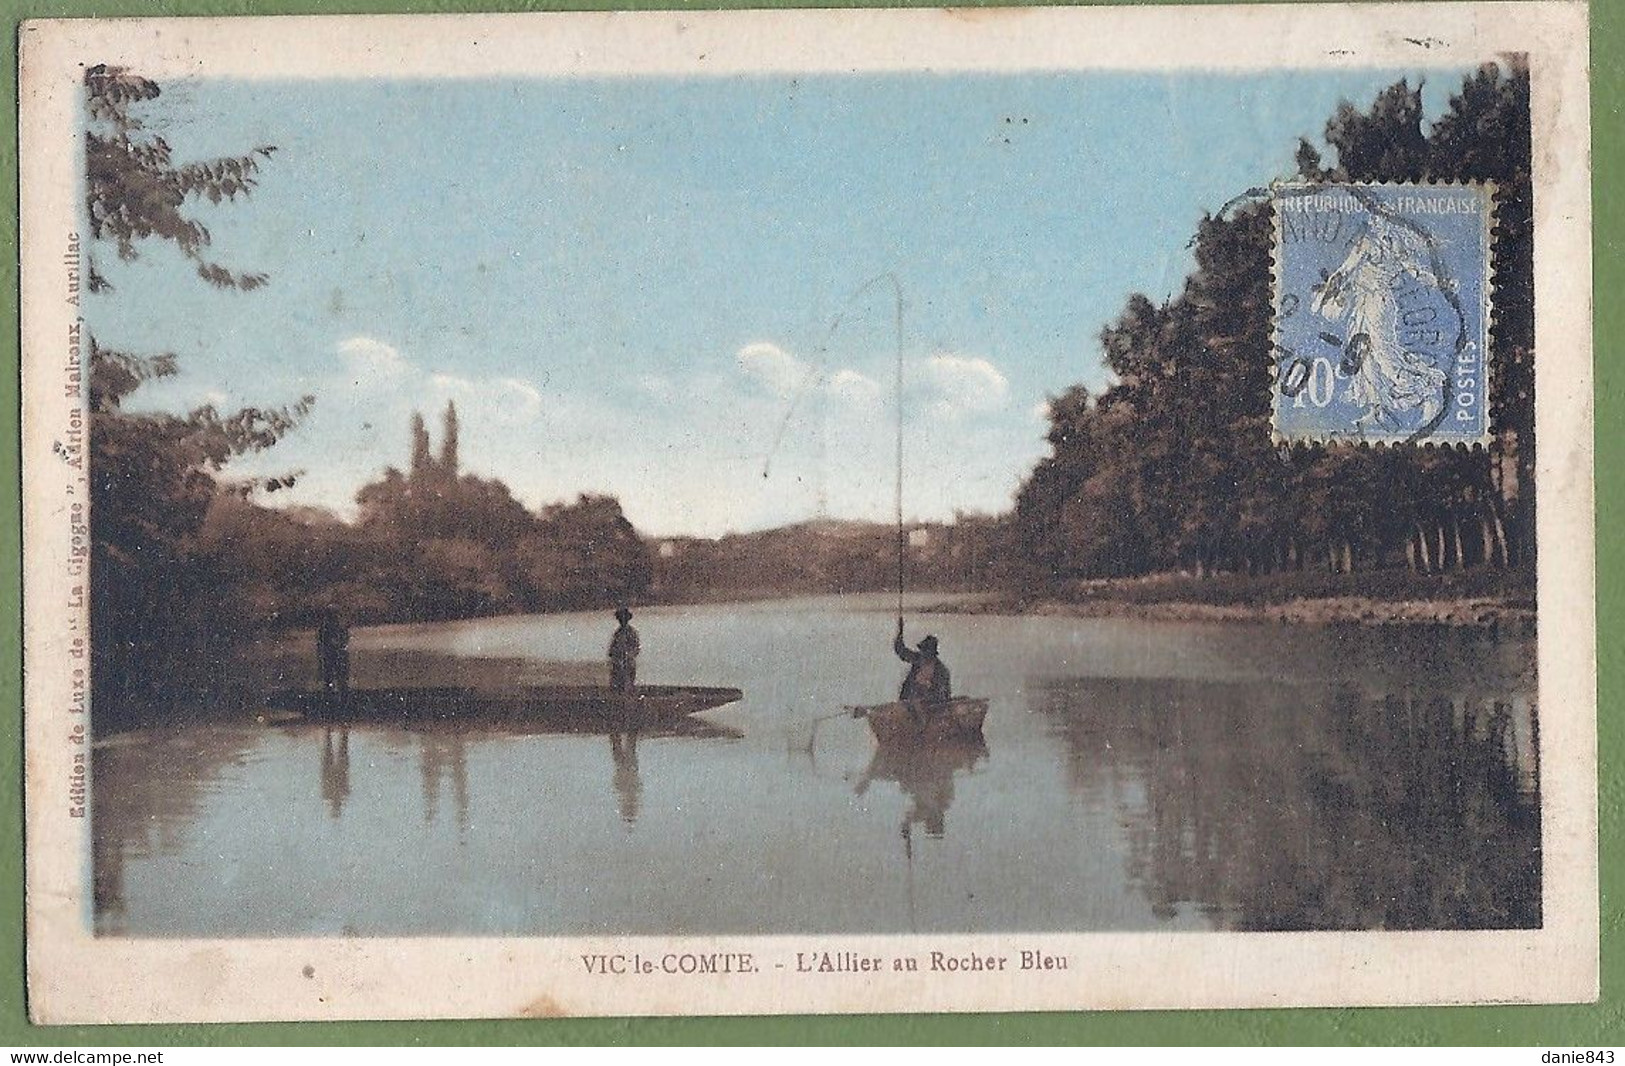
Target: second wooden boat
x,y
561,704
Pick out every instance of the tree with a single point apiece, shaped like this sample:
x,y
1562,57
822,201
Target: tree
x,y
455,546
421,460
159,603
134,189
448,442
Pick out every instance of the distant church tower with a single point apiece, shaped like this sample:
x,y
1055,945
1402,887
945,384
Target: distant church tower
x,y
421,460
426,468
448,443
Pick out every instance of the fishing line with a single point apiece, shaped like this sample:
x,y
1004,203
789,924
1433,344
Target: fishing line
x,y
792,731
821,354
810,748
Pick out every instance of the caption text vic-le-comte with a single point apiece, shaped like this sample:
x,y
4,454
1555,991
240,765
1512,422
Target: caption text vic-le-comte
x,y
610,964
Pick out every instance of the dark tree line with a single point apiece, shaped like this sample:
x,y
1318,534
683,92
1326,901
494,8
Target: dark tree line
x,y
825,556
431,543
1173,468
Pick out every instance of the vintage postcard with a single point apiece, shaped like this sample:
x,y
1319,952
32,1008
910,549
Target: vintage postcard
x,y
817,511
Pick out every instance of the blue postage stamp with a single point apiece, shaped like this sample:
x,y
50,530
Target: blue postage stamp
x,y
1382,313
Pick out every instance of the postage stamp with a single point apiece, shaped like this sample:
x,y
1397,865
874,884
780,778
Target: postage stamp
x,y
1382,306
715,513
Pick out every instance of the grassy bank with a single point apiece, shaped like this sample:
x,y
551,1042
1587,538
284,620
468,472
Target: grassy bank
x,y
1482,597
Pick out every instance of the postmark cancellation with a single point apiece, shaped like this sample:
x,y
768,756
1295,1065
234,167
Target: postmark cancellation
x,y
1382,304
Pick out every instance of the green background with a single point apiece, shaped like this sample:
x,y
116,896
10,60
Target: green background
x,y
1564,1026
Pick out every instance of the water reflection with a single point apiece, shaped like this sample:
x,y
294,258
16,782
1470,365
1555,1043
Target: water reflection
x,y
443,755
623,752
926,776
442,760
148,813
335,770
1280,807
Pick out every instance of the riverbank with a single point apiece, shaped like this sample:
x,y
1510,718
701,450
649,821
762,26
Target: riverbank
x,y
1473,599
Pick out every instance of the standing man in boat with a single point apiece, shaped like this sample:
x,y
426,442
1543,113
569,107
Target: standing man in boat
x,y
623,652
333,654
927,680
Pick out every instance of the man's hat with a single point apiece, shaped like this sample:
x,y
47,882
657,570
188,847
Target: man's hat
x,y
929,644
623,612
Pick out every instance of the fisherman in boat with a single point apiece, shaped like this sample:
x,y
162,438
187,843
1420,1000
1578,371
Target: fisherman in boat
x,y
623,652
927,682
333,654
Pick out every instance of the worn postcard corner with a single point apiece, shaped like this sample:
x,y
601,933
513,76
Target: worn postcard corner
x,y
808,511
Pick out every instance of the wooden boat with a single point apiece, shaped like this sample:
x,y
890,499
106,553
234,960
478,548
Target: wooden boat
x,y
696,727
915,723
557,705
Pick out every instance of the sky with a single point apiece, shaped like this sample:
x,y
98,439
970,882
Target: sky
x,y
665,289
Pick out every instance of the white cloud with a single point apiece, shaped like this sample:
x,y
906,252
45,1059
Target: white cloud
x,y
528,394
364,403
370,355
858,389
372,364
1041,411
502,397
786,376
656,387
772,366
957,385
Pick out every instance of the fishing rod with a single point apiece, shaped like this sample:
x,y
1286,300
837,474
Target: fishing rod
x,y
901,546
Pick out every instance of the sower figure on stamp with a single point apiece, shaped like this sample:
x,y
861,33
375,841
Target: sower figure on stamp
x,y
927,681
623,653
333,654
1387,379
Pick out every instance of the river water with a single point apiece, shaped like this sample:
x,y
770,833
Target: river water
x,y
1135,776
